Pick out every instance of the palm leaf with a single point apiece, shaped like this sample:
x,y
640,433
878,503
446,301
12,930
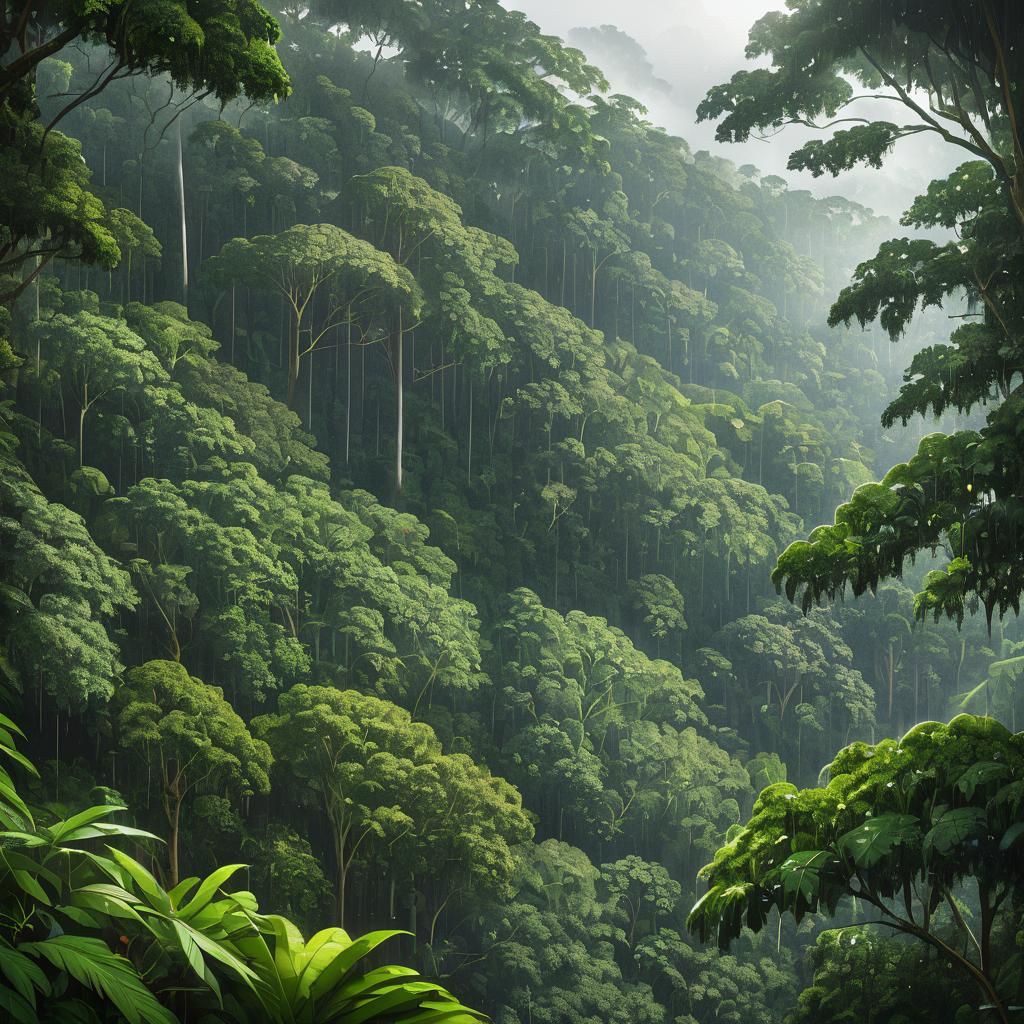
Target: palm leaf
x,y
148,885
24,974
110,976
208,889
344,963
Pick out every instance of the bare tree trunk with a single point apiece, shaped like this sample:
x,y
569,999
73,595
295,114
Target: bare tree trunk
x,y
400,403
348,388
173,865
184,229
81,425
294,331
469,456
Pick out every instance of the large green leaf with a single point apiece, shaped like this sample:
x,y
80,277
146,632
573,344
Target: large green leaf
x,y
980,774
871,842
800,874
403,998
953,828
147,884
208,889
25,976
14,1007
110,976
344,962
64,831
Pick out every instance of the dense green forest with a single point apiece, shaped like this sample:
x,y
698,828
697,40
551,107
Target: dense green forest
x,y
413,464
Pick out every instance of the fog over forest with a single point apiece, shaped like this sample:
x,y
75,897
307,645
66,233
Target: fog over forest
x,y
694,44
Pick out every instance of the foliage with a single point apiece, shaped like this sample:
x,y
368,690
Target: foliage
x,y
196,948
959,491
398,511
899,827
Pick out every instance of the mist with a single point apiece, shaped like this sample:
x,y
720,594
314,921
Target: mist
x,y
693,45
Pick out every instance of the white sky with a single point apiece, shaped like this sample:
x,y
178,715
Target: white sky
x,y
694,44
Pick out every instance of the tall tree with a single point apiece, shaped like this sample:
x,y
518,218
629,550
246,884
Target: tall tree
x,y
218,47
325,276
904,827
94,358
952,68
195,737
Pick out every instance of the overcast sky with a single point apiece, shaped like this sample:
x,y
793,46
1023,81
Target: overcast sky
x,y
694,44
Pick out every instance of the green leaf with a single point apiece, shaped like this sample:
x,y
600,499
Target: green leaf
x,y
28,884
954,828
208,889
181,890
14,1007
342,965
869,843
211,947
23,973
147,884
980,774
110,976
109,900
1014,833
800,874
63,829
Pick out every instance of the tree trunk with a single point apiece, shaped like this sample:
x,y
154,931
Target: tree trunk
x,y
81,425
348,387
340,842
593,288
184,229
173,866
399,403
891,678
469,457
561,297
294,330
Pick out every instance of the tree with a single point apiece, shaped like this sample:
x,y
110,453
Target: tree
x,y
494,64
907,828
133,236
198,740
317,265
46,208
59,590
959,491
288,874
549,955
222,46
414,222
757,985
219,47
381,777
965,58
170,334
639,892
95,357
859,974
794,672
658,600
